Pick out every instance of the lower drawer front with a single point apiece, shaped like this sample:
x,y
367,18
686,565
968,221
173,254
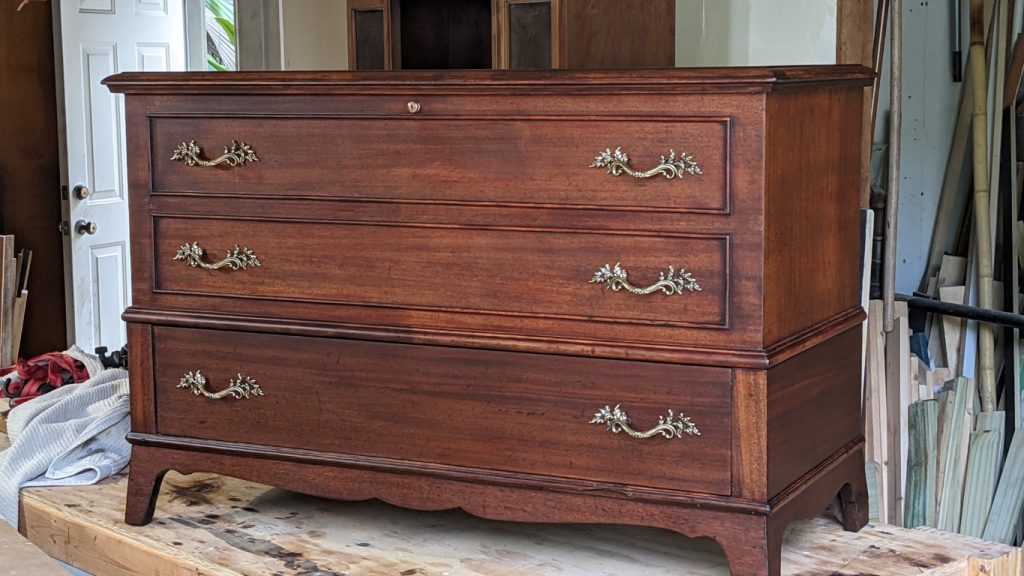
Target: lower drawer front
x,y
506,411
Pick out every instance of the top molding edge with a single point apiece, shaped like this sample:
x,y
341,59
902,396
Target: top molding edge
x,y
751,79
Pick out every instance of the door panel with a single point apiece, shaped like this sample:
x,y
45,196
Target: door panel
x,y
98,38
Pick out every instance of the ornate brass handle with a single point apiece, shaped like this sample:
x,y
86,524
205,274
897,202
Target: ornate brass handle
x,y
617,164
237,259
235,155
239,387
669,282
670,426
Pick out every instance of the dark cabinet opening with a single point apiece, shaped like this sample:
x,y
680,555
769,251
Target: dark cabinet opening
x,y
510,34
368,29
442,34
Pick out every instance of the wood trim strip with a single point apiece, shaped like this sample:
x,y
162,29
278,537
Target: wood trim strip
x,y
476,204
434,337
750,435
143,397
680,80
805,339
457,473
723,237
792,492
750,359
451,310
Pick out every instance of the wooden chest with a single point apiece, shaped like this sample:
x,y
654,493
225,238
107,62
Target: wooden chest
x,y
591,297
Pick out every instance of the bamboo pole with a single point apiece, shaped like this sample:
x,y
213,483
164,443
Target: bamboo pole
x,y
893,184
983,225
868,133
877,54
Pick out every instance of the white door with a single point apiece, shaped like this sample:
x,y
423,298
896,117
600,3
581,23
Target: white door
x,y
97,38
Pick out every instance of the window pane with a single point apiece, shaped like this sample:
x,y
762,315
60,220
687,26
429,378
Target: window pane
x,y
219,18
529,36
369,40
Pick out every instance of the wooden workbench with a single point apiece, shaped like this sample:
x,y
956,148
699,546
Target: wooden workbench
x,y
218,526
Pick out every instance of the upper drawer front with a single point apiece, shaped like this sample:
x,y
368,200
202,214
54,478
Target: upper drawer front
x,y
540,274
527,413
543,161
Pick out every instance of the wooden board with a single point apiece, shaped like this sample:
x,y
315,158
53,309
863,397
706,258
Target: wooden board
x,y
876,435
897,384
1009,498
952,328
957,423
219,526
7,303
921,464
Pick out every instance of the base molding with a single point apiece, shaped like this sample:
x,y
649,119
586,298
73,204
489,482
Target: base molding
x,y
751,538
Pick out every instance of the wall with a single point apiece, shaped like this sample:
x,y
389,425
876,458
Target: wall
x,y
930,103
258,32
708,33
30,167
314,34
755,32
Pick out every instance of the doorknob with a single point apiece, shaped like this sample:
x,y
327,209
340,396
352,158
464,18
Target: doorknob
x,y
83,227
82,192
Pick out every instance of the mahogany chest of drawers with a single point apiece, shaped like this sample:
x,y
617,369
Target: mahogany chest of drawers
x,y
590,297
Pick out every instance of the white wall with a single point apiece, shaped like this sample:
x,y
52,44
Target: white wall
x,y
755,32
930,102
708,33
314,34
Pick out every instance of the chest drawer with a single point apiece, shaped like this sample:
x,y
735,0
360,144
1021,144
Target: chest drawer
x,y
543,161
559,282
495,410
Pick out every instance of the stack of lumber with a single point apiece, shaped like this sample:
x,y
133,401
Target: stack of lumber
x,y
934,458
942,399
14,271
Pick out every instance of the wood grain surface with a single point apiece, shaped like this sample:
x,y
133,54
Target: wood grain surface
x,y
449,405
424,321
225,527
221,526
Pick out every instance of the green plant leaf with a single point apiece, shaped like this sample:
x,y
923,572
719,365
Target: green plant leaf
x,y
228,27
213,64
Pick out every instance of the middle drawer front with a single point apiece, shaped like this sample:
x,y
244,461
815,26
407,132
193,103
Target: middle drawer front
x,y
516,412
536,279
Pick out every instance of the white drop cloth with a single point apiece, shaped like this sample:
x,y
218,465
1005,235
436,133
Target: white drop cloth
x,y
73,436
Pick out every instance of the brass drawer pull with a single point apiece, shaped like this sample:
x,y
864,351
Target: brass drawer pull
x,y
237,259
670,426
235,155
669,282
239,387
617,164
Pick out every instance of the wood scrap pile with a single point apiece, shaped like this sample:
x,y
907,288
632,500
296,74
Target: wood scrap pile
x,y
14,271
942,391
935,456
